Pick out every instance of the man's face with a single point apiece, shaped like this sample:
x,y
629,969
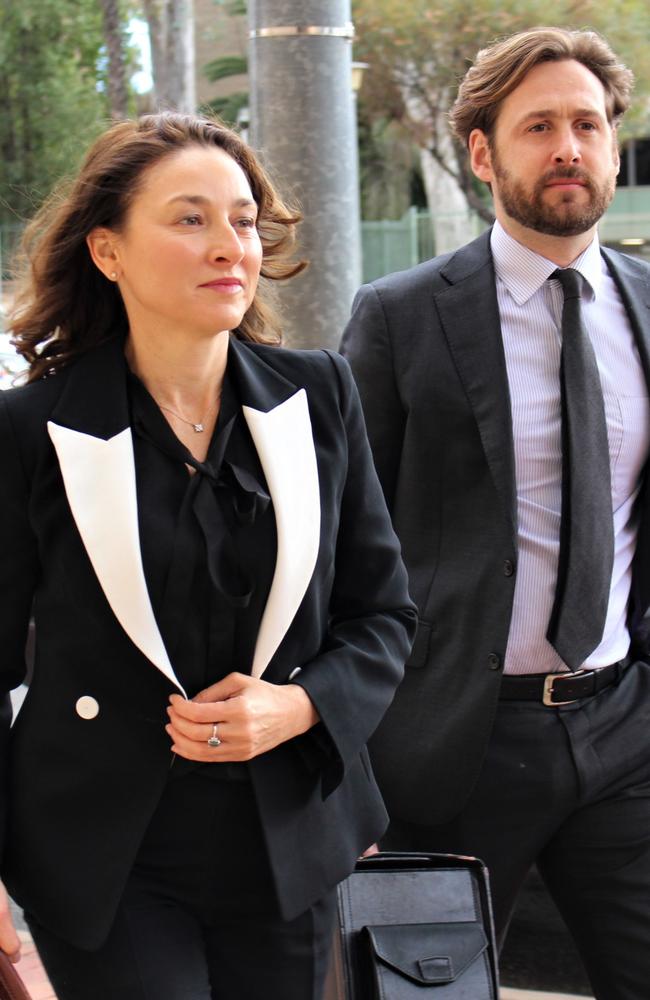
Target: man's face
x,y
552,160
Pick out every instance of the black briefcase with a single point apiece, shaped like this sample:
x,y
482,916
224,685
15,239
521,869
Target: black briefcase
x,y
414,927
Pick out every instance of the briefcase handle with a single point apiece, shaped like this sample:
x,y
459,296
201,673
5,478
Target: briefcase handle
x,y
413,859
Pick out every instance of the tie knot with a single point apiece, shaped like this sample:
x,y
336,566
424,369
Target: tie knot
x,y
571,281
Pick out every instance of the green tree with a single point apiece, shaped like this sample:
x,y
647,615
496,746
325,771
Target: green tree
x,y
418,52
116,50
53,96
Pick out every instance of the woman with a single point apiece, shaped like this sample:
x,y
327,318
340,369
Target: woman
x,y
221,610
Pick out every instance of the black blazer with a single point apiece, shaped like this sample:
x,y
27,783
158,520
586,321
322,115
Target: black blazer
x,y
426,351
80,791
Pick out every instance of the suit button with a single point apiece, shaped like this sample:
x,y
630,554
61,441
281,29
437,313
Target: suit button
x,y
494,661
87,707
508,567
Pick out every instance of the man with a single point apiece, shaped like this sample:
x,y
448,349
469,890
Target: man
x,y
507,407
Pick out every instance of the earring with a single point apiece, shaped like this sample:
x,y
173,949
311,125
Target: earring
x,y
113,275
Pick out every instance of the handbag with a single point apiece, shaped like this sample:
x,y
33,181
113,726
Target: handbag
x,y
11,985
414,927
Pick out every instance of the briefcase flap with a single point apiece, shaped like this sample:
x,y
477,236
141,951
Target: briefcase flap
x,y
428,954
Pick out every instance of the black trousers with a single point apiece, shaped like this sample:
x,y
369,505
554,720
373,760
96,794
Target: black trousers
x,y
568,788
199,917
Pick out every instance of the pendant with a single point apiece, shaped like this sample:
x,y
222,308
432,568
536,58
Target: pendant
x,y
198,428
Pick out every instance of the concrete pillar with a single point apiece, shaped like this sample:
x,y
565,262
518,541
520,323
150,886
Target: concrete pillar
x,y
303,122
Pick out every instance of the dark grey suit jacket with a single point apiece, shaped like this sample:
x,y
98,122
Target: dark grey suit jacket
x,y
426,350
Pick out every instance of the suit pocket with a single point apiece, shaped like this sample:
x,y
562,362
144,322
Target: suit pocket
x,y
420,650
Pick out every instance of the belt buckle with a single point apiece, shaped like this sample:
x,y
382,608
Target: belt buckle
x,y
549,681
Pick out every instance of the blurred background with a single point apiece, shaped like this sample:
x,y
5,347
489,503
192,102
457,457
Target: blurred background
x,y
347,104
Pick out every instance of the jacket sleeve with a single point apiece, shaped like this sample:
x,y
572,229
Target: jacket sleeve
x,y
366,346
372,619
18,573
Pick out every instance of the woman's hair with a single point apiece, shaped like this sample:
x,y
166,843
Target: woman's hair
x,y
501,67
64,305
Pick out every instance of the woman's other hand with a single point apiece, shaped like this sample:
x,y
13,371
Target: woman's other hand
x,y
251,716
9,940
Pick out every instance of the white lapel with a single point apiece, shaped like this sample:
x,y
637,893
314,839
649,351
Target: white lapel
x,y
99,478
285,445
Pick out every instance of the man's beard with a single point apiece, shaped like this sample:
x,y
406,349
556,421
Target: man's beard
x,y
566,217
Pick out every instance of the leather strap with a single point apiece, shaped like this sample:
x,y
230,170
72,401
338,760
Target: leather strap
x,y
561,688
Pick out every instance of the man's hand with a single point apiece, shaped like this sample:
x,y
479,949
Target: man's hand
x,y
251,716
9,940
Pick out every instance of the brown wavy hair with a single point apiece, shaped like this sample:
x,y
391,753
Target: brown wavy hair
x,y
64,305
501,67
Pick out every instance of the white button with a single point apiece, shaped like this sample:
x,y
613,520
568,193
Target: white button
x,y
87,707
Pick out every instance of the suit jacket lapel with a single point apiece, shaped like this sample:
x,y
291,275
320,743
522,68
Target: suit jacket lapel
x,y
91,434
92,438
277,414
469,315
633,283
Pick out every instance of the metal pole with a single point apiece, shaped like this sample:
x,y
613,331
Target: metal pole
x,y
303,122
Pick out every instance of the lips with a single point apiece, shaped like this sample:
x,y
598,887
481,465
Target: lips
x,y
223,284
565,179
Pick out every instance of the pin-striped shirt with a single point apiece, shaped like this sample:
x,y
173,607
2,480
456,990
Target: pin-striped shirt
x,y
530,308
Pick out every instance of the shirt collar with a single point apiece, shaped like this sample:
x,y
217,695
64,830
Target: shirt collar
x,y
523,271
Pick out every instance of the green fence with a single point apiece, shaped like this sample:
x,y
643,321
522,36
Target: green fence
x,y
392,245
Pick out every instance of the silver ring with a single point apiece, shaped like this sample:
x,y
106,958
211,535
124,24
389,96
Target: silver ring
x,y
214,740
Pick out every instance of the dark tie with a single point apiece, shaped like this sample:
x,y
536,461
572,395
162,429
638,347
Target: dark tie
x,y
586,532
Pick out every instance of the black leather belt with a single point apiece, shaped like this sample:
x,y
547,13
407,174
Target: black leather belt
x,y
560,689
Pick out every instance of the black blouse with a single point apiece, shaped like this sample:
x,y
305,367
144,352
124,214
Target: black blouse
x,y
208,539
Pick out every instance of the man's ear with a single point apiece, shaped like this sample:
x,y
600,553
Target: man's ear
x,y
617,153
102,246
480,156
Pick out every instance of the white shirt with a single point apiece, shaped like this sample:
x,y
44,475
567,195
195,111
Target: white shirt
x,y
530,308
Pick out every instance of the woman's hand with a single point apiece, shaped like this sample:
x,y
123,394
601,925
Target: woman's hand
x,y
251,716
9,940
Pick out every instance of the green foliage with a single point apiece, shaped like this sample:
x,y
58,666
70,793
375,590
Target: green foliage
x,y
226,108
51,79
388,169
224,67
233,7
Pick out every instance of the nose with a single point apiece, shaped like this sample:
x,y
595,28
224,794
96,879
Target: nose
x,y
225,244
567,149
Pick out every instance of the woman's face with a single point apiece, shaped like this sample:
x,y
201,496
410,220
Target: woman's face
x,y
189,255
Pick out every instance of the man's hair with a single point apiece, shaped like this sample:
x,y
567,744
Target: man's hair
x,y
500,68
